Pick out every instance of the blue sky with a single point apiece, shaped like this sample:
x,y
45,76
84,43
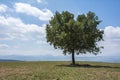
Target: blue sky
x,y
22,25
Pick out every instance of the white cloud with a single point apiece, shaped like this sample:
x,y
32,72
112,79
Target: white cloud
x,y
14,28
44,14
23,39
111,41
39,1
41,42
3,8
3,46
112,32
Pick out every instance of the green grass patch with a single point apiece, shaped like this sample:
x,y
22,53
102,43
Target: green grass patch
x,y
59,70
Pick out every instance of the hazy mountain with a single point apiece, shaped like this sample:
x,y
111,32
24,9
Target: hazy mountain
x,y
115,59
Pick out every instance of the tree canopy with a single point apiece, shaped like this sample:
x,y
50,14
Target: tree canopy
x,y
79,35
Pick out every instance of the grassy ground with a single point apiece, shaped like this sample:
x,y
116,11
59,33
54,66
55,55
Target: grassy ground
x,y
59,71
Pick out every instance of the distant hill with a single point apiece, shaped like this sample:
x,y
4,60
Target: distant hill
x,y
8,60
13,58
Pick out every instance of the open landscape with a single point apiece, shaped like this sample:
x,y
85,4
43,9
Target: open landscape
x,y
59,70
59,39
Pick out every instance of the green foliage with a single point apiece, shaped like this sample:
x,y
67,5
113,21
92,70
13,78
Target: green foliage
x,y
79,35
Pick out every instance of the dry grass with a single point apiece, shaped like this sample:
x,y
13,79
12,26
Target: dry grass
x,y
59,71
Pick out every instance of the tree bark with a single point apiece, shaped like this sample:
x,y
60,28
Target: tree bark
x,y
73,57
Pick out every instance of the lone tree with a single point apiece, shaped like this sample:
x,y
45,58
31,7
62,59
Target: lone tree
x,y
72,35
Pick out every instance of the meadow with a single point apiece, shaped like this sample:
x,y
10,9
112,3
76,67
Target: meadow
x,y
59,70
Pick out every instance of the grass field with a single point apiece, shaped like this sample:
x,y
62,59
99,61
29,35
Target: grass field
x,y
59,71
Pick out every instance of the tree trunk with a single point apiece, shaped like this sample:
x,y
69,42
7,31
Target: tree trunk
x,y
73,57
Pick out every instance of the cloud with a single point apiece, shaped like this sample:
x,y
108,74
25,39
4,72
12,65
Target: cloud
x,y
39,1
2,46
112,32
111,41
13,28
44,14
21,38
3,8
41,42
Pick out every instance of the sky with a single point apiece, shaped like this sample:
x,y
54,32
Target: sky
x,y
22,25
